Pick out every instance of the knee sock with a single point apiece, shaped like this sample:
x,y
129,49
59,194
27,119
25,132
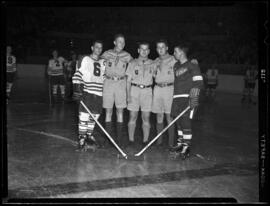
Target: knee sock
x,y
109,129
171,135
159,127
121,133
187,136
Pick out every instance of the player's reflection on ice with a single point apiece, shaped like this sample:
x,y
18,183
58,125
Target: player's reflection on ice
x,y
58,112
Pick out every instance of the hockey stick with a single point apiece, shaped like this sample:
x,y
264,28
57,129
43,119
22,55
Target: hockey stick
x,y
153,140
101,127
50,91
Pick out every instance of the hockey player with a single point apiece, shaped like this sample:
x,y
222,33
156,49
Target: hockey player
x,y
163,90
88,86
187,85
140,73
56,74
114,91
71,68
250,82
11,71
211,81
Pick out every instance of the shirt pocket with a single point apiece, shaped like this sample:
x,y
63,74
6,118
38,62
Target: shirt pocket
x,y
137,71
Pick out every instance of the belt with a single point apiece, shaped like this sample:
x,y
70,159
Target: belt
x,y
141,85
180,95
115,78
164,84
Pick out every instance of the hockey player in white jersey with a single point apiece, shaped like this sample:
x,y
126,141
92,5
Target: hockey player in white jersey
x,y
56,70
88,87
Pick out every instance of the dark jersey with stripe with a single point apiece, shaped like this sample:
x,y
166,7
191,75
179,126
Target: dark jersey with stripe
x,y
187,76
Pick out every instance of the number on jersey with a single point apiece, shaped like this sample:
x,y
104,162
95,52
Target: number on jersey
x,y
96,69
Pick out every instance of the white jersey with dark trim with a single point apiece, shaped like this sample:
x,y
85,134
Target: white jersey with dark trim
x,y
91,75
11,63
56,66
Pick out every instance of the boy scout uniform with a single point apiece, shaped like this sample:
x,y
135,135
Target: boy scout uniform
x,y
163,90
140,72
114,90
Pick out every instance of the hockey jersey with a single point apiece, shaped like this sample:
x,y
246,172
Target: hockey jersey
x,y
212,76
187,76
56,66
11,63
164,71
116,63
91,75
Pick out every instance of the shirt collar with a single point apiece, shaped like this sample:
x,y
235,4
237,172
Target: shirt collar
x,y
143,60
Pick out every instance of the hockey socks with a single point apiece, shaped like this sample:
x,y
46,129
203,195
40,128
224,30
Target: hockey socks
x,y
171,135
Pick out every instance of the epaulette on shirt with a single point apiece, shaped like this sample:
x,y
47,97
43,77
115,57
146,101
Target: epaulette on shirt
x,y
121,54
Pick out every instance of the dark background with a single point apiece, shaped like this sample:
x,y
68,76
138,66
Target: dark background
x,y
224,34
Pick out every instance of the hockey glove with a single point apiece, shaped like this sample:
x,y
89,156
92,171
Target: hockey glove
x,y
77,92
194,97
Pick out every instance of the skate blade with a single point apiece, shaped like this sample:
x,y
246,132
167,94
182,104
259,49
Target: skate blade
x,y
136,158
120,156
131,157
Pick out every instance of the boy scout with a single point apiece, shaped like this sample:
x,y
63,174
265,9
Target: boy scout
x,y
114,90
139,91
163,90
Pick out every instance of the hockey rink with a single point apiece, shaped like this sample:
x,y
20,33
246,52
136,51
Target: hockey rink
x,y
42,161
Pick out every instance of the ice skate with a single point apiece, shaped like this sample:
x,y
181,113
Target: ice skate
x,y
90,144
176,150
81,143
185,151
180,150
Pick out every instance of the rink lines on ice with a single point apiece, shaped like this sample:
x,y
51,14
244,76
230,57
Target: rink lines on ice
x,y
49,135
113,183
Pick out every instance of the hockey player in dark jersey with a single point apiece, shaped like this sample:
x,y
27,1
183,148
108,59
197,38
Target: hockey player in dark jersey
x,y
187,85
88,86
